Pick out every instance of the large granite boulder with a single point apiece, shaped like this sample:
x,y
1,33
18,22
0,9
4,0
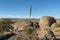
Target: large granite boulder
x,y
45,34
55,25
56,29
46,21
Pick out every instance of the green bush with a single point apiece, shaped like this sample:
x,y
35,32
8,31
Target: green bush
x,y
5,25
29,31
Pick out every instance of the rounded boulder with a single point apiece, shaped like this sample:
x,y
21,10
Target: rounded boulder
x,y
47,21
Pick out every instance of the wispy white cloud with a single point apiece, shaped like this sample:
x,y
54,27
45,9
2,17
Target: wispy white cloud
x,y
15,16
9,16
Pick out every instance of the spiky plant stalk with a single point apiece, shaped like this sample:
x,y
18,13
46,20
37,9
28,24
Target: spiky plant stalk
x,y
30,9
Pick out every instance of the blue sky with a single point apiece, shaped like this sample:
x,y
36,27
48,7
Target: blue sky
x,y
20,8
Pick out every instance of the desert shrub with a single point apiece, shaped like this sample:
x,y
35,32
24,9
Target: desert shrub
x,y
5,25
28,31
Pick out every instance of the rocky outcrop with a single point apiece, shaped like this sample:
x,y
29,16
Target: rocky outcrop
x,y
46,29
44,32
55,25
56,29
20,25
46,21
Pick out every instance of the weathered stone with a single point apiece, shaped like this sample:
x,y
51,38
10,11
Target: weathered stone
x,y
46,21
56,29
55,25
45,34
19,37
58,21
20,25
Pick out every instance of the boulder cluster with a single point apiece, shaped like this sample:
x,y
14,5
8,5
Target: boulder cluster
x,y
46,21
44,30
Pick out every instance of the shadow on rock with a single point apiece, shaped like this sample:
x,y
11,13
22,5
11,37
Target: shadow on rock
x,y
7,36
57,38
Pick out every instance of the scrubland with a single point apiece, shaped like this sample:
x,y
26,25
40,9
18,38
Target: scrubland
x,y
45,28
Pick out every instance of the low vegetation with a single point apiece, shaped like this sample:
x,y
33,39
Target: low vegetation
x,y
29,31
5,25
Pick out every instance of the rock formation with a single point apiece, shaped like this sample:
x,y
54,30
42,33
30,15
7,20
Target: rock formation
x,y
44,32
55,25
46,21
20,25
46,29
56,29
